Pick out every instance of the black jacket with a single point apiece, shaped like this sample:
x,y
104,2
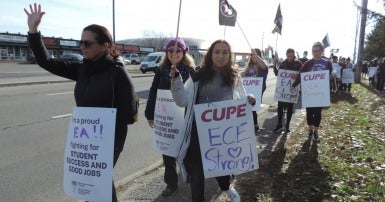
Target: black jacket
x,y
295,65
162,81
103,83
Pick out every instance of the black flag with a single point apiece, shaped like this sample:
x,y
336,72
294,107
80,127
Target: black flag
x,y
326,41
278,21
227,14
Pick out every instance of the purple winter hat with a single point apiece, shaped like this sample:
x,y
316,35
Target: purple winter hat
x,y
180,43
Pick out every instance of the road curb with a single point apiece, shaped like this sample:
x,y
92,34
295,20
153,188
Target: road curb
x,y
23,83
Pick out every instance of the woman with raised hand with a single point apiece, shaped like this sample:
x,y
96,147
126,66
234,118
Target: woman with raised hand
x,y
101,80
176,56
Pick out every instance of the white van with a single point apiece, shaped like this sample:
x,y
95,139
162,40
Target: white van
x,y
151,61
133,57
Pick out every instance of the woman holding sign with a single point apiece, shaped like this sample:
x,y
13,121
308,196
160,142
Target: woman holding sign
x,y
176,55
317,63
256,67
216,80
101,80
292,64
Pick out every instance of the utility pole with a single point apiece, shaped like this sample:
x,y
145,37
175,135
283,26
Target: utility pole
x,y
356,35
364,13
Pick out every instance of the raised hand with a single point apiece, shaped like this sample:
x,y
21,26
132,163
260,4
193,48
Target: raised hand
x,y
34,17
173,71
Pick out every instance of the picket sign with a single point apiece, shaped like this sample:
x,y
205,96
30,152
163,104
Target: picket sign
x,y
226,137
253,86
372,71
88,157
315,87
168,124
347,76
285,79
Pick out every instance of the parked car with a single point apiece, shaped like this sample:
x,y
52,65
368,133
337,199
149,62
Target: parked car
x,y
32,59
240,63
133,57
126,61
73,57
151,62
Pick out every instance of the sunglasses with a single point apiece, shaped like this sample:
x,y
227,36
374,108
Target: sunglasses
x,y
314,51
86,43
172,50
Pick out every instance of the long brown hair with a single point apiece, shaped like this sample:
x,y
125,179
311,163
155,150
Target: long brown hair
x,y
256,51
229,73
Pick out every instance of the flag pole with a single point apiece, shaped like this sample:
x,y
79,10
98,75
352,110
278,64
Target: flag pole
x,y
243,33
177,31
224,33
177,27
276,42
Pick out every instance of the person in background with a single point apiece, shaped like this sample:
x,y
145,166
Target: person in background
x,y
364,70
381,75
290,63
179,57
304,58
256,67
101,80
372,68
346,86
342,64
336,75
317,63
216,80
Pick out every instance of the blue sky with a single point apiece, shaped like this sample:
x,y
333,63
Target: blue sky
x,y
304,21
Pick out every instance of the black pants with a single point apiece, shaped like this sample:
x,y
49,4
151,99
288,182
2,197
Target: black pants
x,y
313,116
255,118
346,87
255,115
116,157
170,174
196,169
289,111
380,83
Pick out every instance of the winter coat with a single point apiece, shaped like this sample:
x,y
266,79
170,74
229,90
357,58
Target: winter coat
x,y
102,83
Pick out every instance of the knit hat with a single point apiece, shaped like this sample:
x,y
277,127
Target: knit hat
x,y
180,43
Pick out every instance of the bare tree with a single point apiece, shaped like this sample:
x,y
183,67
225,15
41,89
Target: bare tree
x,y
154,39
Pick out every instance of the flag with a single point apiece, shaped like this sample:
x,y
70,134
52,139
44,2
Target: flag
x,y
227,14
334,50
278,21
326,41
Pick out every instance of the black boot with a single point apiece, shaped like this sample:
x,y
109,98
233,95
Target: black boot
x,y
278,127
287,128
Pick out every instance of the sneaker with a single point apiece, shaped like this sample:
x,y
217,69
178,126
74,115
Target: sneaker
x,y
168,191
310,134
233,195
278,127
316,136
